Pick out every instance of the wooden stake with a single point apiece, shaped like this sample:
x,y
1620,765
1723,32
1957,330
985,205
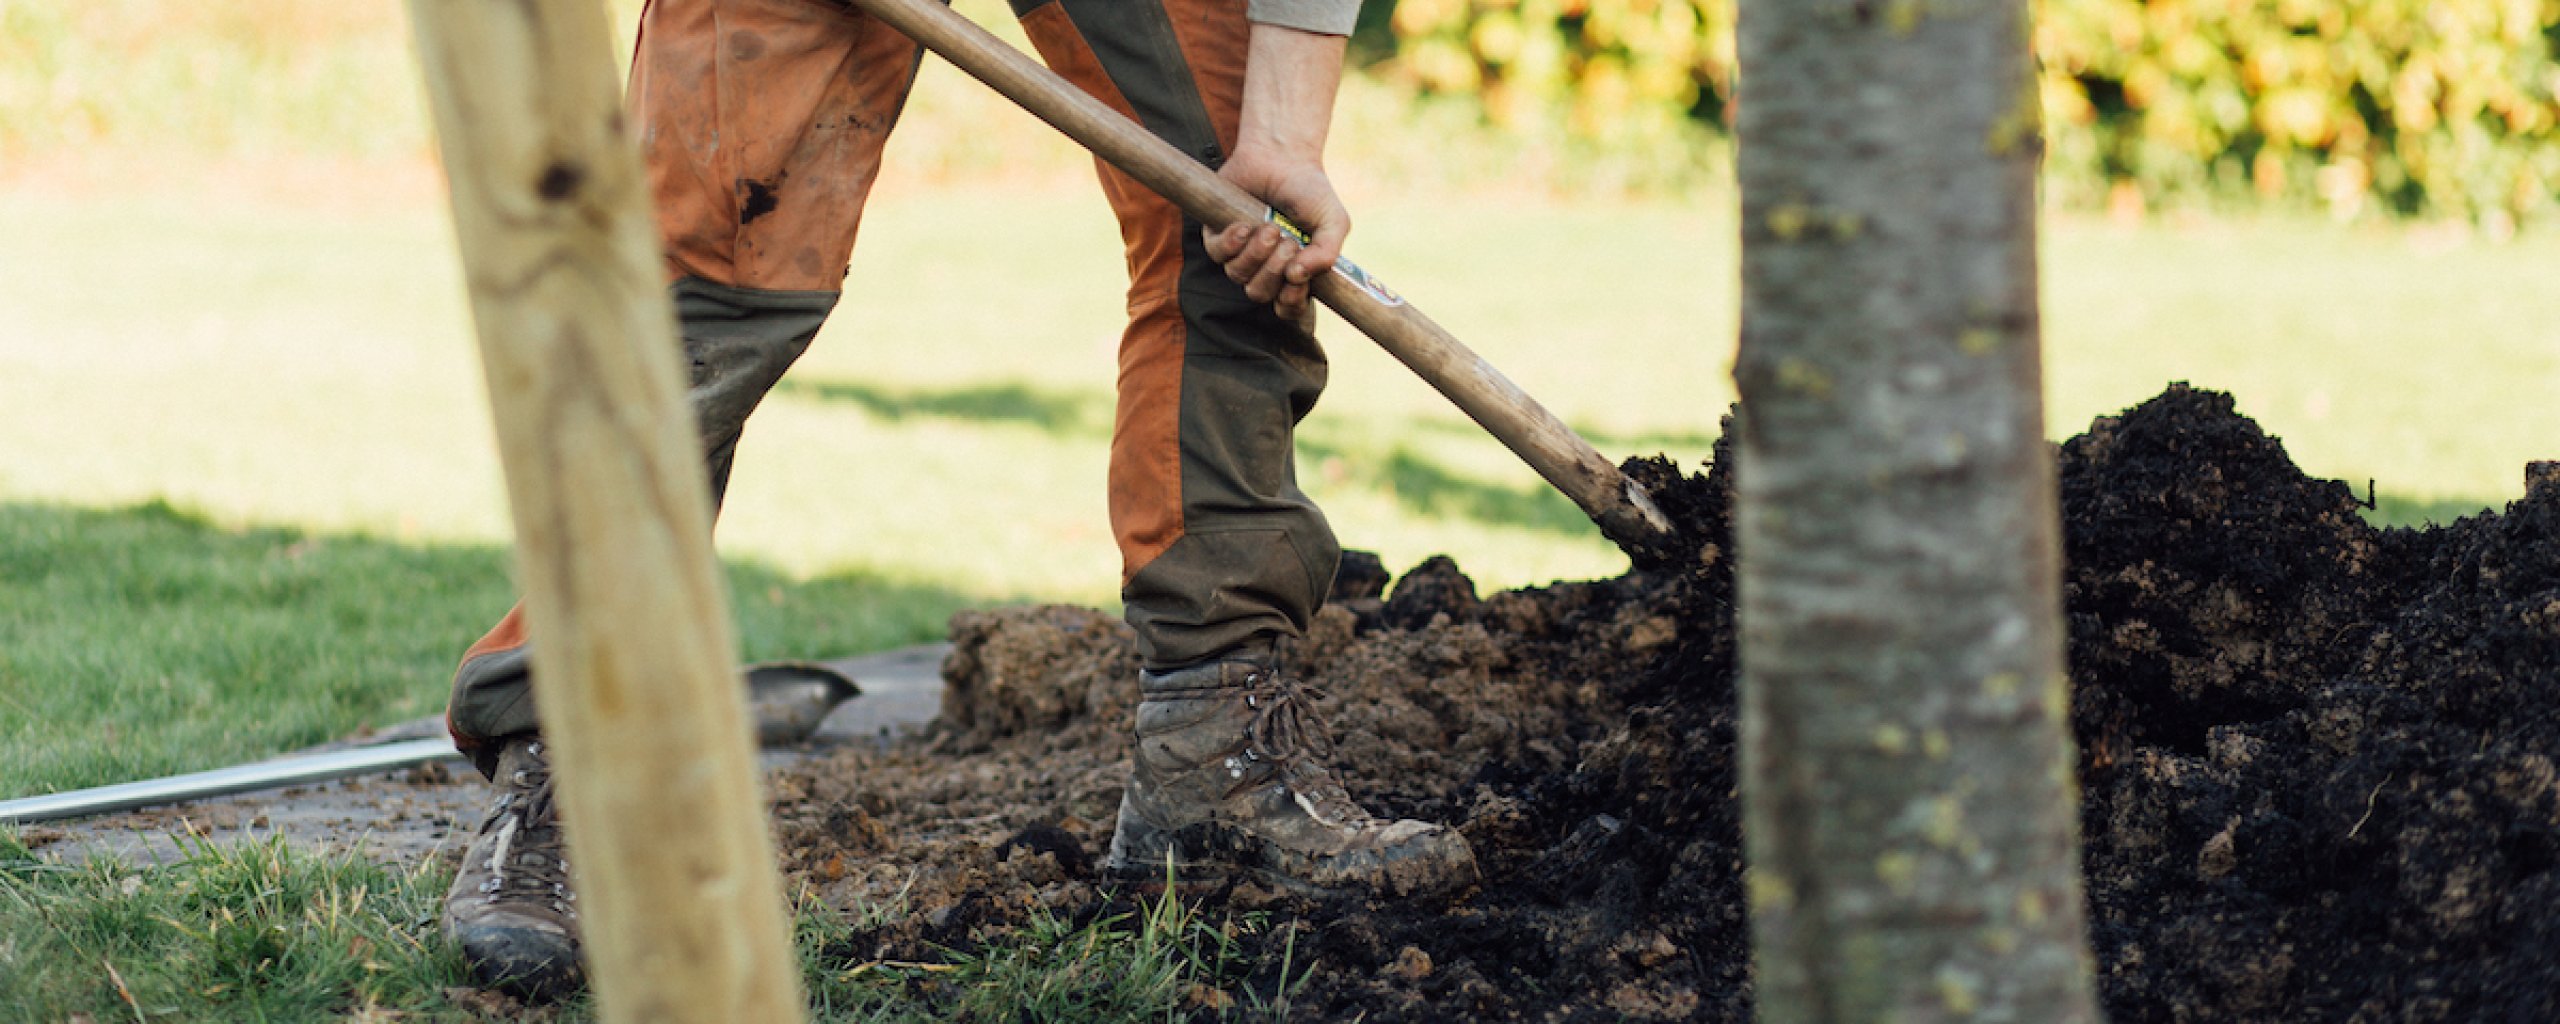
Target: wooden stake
x,y
683,915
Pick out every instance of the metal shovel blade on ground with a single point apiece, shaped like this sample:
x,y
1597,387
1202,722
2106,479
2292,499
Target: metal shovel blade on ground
x,y
1621,508
788,699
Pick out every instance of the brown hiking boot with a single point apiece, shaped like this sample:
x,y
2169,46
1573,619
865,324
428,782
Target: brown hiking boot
x,y
511,909
1230,772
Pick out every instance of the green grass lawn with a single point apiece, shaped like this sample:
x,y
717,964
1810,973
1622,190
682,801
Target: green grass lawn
x,y
2425,366
301,384
263,932
144,641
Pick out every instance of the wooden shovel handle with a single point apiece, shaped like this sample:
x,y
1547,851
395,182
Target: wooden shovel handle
x,y
1624,512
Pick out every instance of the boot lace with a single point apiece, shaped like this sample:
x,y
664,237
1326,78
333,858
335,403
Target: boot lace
x,y
1284,727
526,862
1288,734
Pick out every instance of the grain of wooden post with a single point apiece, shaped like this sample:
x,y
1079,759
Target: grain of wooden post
x,y
683,914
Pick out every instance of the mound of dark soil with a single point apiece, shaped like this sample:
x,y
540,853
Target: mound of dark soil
x,y
2318,762
2318,757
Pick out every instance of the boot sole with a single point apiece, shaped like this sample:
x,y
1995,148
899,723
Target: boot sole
x,y
532,965
1442,865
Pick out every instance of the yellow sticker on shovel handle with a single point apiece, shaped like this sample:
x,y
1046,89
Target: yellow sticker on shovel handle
x,y
1350,271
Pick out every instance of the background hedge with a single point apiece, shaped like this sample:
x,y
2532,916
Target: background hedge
x,y
2363,107
2442,109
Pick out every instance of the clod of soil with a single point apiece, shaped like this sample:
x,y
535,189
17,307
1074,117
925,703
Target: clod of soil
x,y
2318,761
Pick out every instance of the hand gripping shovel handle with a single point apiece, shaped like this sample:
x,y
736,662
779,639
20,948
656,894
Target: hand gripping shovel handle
x,y
1624,512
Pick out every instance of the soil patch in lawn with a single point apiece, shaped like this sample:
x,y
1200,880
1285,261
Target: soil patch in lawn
x,y
2318,760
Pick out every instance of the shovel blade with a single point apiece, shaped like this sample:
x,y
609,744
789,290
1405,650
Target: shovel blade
x,y
790,698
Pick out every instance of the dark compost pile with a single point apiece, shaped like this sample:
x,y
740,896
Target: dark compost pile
x,y
2318,762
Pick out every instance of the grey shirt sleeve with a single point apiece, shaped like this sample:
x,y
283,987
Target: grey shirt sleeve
x,y
1331,17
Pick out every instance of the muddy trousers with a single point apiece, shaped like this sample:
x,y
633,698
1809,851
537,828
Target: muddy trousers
x,y
762,126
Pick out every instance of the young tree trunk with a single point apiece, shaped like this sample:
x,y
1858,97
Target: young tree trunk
x,y
683,915
1908,777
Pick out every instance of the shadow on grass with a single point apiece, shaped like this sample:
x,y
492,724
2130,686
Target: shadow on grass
x,y
1420,484
1688,447
1427,488
147,640
1053,412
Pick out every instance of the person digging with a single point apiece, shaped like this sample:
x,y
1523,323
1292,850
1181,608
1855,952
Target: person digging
x,y
762,124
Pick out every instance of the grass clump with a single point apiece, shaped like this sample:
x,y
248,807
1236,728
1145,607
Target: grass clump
x,y
261,931
1162,961
244,931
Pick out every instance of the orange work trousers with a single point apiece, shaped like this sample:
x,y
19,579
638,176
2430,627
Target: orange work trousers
x,y
762,123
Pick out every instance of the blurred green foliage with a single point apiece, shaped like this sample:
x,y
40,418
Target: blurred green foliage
x,y
2405,106
1601,81
2417,107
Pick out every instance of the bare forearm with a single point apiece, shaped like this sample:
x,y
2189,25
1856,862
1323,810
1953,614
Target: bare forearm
x,y
1290,79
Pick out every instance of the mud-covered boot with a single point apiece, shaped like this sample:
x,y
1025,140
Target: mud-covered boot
x,y
511,909
1230,774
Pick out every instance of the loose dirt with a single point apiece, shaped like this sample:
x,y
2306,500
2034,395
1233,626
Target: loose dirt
x,y
2320,763
2318,760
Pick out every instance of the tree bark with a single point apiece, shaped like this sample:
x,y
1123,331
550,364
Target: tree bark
x,y
683,915
1908,782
